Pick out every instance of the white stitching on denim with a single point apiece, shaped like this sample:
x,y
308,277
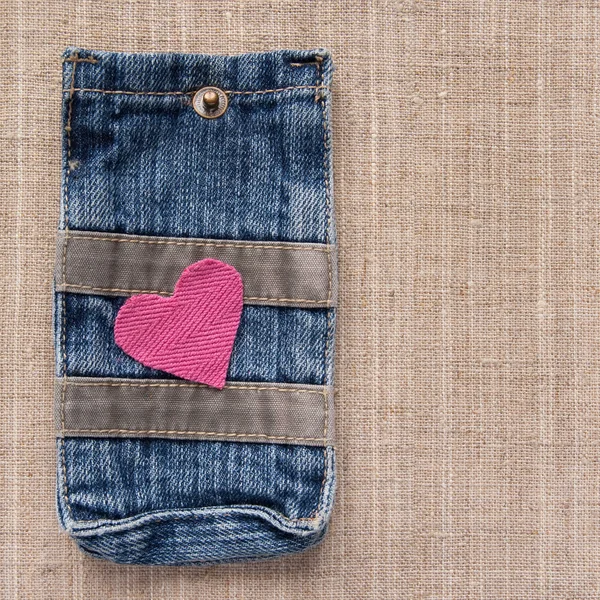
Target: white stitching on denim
x,y
314,63
314,514
128,93
284,89
64,311
191,92
184,242
168,517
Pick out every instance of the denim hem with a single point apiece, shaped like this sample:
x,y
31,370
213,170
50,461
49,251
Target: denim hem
x,y
207,535
307,544
278,548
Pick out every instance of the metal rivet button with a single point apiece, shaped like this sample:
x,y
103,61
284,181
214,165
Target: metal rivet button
x,y
210,102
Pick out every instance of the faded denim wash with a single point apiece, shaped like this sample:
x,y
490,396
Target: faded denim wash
x,y
137,159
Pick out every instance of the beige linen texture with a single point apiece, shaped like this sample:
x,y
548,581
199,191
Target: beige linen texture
x,y
467,188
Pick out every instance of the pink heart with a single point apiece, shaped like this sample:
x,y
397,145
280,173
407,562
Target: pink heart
x,y
191,333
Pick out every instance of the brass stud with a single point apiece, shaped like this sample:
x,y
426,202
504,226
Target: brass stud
x,y
210,102
210,99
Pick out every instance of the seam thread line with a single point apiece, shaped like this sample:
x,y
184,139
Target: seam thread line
x,y
78,236
207,433
313,63
193,385
90,59
225,513
66,285
315,513
65,486
191,92
326,250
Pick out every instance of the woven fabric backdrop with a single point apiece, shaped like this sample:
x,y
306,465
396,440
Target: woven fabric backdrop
x,y
467,187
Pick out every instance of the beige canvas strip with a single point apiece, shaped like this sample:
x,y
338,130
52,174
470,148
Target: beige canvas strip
x,y
241,412
274,273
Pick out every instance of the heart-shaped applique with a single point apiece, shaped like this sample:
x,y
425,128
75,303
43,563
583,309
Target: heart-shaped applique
x,y
191,333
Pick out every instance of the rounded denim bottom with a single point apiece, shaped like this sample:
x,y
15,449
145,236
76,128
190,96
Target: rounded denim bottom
x,y
196,539
200,536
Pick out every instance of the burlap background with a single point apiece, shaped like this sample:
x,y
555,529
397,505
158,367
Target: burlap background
x,y
466,138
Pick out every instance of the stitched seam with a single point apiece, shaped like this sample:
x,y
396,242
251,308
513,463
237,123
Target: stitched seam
x,y
314,514
78,236
326,177
127,93
205,244
325,473
313,63
162,293
179,93
191,385
225,513
284,89
64,308
72,59
207,433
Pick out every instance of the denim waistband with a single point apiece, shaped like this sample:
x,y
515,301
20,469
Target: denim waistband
x,y
170,72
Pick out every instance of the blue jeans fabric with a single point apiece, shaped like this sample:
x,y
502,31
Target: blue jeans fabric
x,y
273,344
137,159
148,165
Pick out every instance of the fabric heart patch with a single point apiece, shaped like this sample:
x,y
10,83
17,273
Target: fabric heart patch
x,y
191,333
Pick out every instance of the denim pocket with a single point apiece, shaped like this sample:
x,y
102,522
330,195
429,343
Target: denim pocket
x,y
153,469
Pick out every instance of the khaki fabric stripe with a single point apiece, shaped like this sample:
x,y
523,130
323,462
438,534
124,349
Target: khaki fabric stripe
x,y
166,408
274,273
